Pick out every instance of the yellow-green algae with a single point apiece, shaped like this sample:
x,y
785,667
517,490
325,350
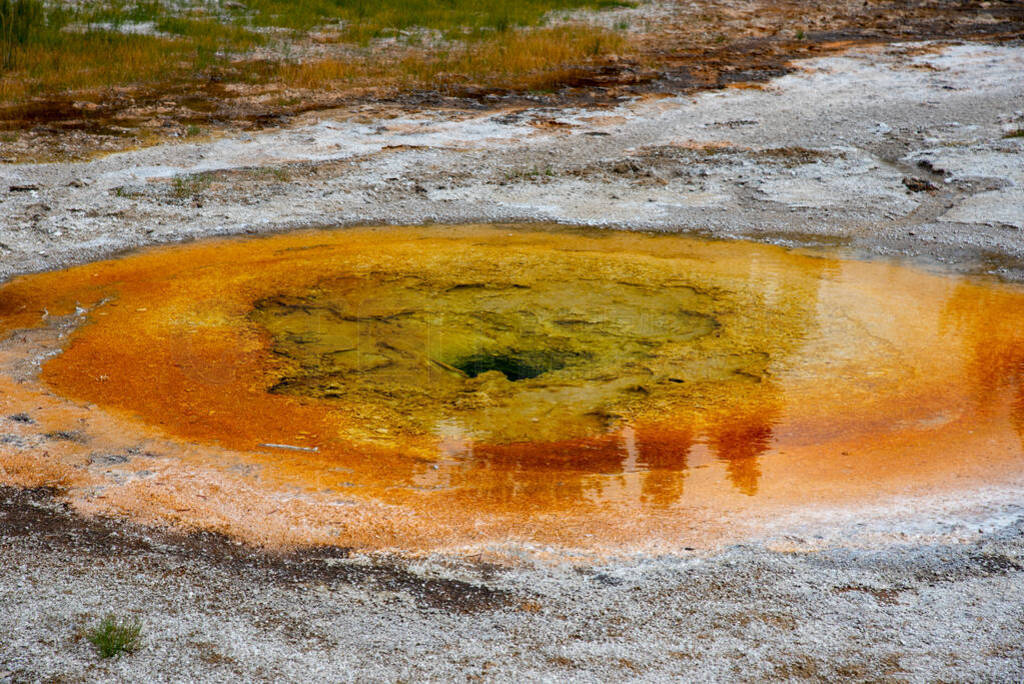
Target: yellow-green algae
x,y
518,341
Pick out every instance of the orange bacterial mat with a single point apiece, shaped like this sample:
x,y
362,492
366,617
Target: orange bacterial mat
x,y
468,387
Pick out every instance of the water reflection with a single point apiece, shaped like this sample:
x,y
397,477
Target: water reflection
x,y
663,458
738,443
989,324
656,456
733,415
476,371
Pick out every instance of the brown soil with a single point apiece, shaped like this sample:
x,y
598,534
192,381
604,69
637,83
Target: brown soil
x,y
37,515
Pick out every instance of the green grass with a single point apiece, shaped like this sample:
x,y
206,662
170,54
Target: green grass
x,y
60,47
113,636
1019,133
362,19
184,187
79,49
278,174
19,20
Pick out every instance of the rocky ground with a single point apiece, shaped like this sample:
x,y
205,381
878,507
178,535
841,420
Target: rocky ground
x,y
668,47
215,612
907,149
910,151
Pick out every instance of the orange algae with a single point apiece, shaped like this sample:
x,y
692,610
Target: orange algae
x,y
449,387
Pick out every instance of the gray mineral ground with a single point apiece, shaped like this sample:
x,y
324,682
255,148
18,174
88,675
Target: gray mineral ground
x,y
903,150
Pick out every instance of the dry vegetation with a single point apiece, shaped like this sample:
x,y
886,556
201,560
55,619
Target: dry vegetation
x,y
86,77
531,60
59,49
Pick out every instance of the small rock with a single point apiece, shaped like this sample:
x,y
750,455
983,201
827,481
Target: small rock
x,y
28,187
607,580
927,165
915,184
67,436
108,459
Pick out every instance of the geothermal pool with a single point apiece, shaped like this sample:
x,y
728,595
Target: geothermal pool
x,y
451,387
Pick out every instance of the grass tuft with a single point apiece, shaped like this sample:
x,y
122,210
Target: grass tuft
x,y
184,187
19,21
113,636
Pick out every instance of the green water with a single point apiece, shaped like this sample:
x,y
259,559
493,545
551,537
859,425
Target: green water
x,y
508,359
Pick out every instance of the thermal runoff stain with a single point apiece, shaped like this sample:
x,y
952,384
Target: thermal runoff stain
x,y
497,383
